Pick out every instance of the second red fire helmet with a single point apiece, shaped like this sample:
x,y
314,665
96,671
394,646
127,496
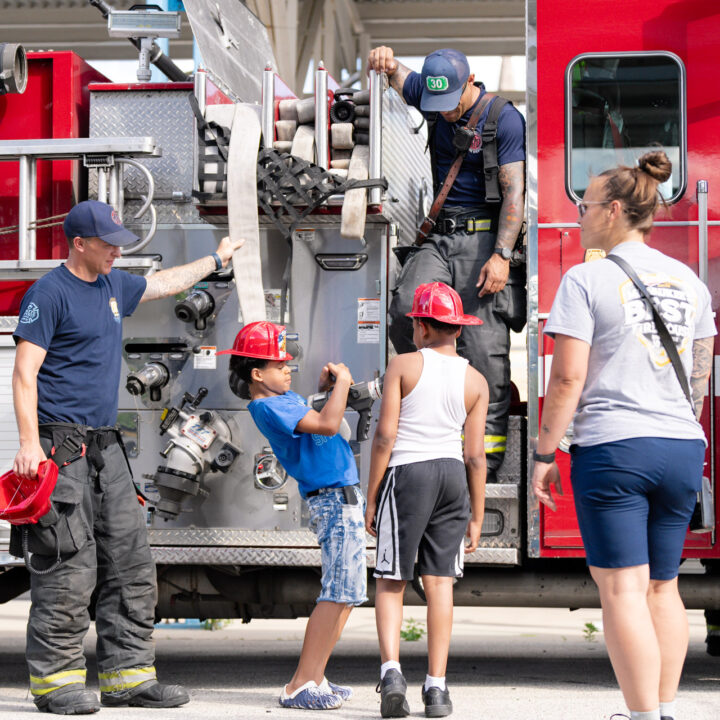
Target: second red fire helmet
x,y
440,302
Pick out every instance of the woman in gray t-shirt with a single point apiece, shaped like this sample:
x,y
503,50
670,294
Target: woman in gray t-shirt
x,y
638,448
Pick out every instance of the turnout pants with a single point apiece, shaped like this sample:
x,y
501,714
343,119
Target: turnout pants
x,y
457,260
103,540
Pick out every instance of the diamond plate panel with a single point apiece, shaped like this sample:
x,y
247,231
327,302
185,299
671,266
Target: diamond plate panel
x,y
405,164
293,557
165,115
231,537
9,323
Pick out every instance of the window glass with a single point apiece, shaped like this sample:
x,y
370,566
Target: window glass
x,y
621,107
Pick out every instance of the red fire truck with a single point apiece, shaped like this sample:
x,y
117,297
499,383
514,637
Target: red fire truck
x,y
604,83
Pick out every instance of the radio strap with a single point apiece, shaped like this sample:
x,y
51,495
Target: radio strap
x,y
429,221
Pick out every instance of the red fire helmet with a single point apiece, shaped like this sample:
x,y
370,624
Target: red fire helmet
x,y
25,500
262,340
440,302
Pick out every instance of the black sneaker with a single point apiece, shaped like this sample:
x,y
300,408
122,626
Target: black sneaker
x,y
437,702
392,689
150,694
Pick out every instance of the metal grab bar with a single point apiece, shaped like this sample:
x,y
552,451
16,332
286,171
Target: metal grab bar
x,y
130,249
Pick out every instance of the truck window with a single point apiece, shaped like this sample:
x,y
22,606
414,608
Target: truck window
x,y
618,106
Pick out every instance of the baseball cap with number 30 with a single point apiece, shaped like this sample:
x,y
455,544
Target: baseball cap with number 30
x,y
444,73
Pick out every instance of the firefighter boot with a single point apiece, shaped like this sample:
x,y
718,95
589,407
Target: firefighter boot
x,y
150,694
75,700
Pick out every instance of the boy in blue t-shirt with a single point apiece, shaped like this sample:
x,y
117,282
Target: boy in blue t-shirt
x,y
308,446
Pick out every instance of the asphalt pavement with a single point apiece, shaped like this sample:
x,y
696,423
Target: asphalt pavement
x,y
505,664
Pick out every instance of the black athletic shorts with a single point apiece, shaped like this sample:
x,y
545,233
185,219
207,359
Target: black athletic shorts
x,y
422,511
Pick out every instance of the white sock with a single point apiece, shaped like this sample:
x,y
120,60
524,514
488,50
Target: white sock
x,y
389,665
667,709
431,681
308,684
649,715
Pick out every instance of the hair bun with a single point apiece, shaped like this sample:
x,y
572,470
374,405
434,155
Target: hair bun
x,y
657,165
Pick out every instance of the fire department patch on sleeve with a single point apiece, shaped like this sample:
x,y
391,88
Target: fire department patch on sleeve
x,y
31,314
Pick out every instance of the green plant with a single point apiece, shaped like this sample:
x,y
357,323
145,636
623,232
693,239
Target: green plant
x,y
589,631
215,624
412,630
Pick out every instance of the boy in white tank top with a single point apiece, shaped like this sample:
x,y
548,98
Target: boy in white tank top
x,y
420,475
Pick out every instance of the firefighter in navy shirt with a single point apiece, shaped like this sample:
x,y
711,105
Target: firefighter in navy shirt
x,y
65,384
471,245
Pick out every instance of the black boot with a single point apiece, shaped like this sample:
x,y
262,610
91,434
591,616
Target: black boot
x,y
76,700
150,694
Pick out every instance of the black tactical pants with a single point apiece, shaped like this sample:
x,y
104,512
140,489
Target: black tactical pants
x,y
457,260
103,540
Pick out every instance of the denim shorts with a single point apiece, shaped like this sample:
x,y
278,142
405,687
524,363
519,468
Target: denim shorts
x,y
340,530
634,499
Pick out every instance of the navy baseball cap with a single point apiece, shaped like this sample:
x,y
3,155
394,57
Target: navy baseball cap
x,y
92,218
444,73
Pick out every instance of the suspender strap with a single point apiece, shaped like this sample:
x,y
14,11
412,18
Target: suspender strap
x,y
439,201
489,148
662,330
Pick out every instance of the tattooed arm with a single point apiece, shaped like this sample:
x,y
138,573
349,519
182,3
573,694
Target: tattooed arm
x,y
702,365
383,59
174,280
494,273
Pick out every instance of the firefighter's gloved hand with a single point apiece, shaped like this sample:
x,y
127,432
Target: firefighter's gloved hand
x,y
227,247
493,276
28,457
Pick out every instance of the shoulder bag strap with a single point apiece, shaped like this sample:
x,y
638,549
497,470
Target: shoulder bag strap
x,y
663,332
439,201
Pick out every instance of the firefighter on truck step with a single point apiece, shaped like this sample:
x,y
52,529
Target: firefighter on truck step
x,y
474,244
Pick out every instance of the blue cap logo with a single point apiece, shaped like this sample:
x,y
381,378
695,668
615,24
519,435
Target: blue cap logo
x,y
437,84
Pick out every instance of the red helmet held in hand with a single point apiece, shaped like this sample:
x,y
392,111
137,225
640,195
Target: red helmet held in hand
x,y
440,302
25,500
263,340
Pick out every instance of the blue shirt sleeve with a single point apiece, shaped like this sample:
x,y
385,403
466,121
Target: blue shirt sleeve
x,y
510,136
412,89
280,414
133,288
39,318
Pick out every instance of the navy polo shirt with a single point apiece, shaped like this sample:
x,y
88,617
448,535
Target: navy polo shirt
x,y
468,189
79,324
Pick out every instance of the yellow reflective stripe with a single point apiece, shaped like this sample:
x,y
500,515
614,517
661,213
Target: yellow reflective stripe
x,y
478,225
126,679
49,683
495,443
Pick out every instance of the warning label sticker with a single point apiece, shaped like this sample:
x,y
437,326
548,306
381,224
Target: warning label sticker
x,y
368,321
